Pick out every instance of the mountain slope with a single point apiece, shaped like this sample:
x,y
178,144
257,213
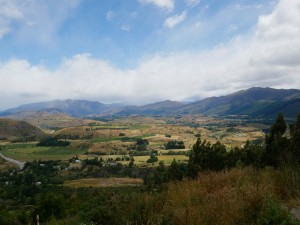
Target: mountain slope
x,y
48,119
159,108
76,108
252,102
290,109
11,129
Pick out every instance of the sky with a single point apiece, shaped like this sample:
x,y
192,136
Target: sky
x,y
143,51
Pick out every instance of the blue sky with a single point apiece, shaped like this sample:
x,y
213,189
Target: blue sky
x,y
140,51
124,32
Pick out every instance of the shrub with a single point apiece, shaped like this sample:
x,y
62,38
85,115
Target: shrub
x,y
175,145
53,142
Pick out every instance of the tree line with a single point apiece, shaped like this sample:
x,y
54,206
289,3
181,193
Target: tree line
x,y
281,146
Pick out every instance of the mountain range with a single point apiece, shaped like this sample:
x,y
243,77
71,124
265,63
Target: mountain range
x,y
76,108
254,102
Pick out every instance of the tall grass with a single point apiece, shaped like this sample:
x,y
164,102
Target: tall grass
x,y
239,196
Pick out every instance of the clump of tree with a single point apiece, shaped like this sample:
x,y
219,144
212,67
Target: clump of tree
x,y
276,143
153,158
163,174
93,162
295,140
51,206
141,144
53,142
206,156
175,145
279,149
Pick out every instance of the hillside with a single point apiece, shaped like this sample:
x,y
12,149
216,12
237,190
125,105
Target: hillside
x,y
254,102
48,120
77,108
158,108
11,129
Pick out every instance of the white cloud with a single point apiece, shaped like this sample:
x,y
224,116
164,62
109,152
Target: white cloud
x,y
8,13
110,15
247,7
192,3
36,20
164,4
175,20
125,27
4,30
232,28
269,58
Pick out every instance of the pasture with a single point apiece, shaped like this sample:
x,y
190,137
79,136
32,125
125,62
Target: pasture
x,y
41,153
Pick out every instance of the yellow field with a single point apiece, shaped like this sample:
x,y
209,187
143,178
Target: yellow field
x,y
166,158
169,158
104,182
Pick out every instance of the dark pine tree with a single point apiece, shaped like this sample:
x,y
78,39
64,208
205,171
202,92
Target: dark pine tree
x,y
276,143
295,140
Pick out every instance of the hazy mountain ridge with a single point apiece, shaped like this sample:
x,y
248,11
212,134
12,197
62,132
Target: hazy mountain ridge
x,y
157,108
77,108
253,102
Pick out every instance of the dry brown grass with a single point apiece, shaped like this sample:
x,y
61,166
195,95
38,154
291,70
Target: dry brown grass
x,y
4,165
217,198
80,130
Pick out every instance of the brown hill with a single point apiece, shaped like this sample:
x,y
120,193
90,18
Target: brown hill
x,y
11,129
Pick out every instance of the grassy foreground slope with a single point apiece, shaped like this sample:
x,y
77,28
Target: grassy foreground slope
x,y
239,196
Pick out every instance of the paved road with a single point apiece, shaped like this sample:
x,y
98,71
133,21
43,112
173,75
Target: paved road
x,y
18,163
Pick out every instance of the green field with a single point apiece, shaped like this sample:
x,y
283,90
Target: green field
x,y
41,153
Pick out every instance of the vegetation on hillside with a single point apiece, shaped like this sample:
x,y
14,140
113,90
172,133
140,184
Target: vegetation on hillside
x,y
18,131
175,145
53,141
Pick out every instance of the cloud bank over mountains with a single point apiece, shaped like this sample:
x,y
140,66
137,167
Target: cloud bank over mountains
x,y
267,56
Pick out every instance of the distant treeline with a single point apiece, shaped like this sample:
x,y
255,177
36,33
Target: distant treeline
x,y
53,142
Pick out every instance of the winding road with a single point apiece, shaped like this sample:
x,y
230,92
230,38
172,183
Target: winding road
x,y
18,163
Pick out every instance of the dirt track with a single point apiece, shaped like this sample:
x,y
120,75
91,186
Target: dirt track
x,y
18,163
